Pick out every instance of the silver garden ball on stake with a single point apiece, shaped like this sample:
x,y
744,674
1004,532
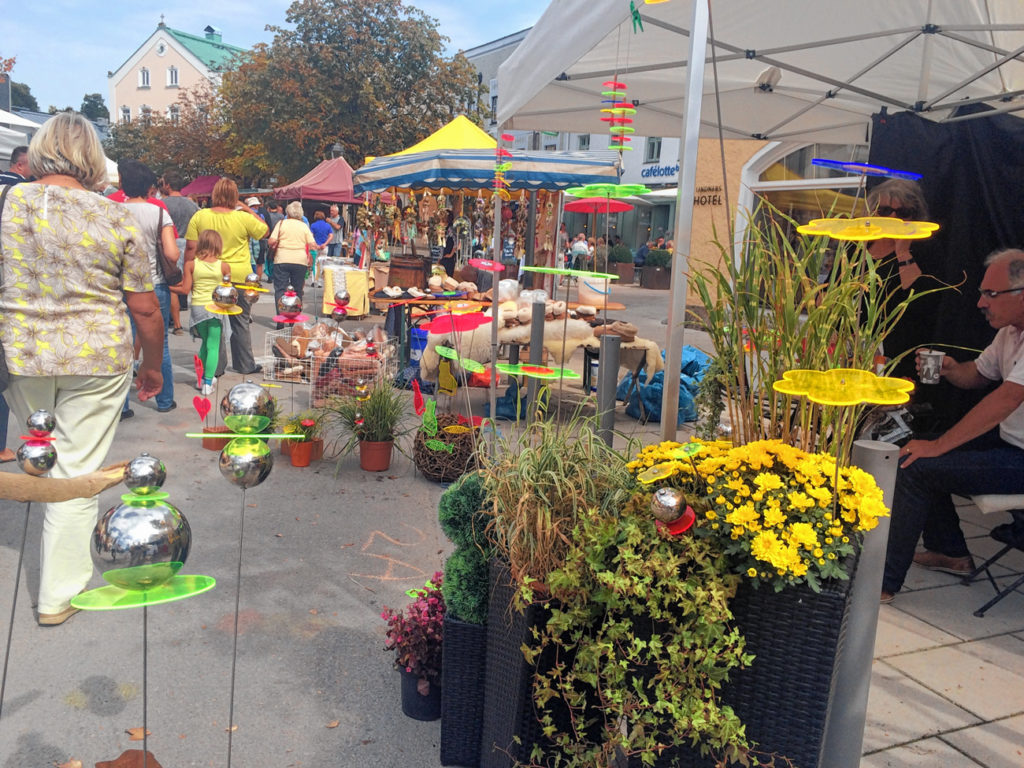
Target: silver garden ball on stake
x,y
37,454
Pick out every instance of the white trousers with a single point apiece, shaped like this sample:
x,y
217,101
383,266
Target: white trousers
x,y
87,410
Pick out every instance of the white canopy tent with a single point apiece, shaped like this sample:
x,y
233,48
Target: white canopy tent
x,y
8,141
810,70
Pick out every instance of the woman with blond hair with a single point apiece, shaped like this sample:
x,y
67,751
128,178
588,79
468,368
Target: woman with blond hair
x,y
73,268
236,223
291,241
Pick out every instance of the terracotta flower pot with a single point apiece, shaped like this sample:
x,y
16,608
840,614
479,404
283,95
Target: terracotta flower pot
x,y
374,456
216,443
318,448
302,452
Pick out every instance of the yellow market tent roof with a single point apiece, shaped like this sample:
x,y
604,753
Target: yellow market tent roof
x,y
460,133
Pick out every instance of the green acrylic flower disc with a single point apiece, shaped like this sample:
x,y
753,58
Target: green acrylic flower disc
x,y
138,578
608,190
572,272
248,424
114,598
470,365
536,371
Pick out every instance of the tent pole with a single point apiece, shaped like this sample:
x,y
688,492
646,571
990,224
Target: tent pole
x,y
684,217
496,256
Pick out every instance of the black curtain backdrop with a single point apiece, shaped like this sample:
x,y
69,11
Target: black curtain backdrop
x,y
973,181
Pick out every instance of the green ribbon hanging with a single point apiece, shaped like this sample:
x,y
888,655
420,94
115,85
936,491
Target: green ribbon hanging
x,y
635,13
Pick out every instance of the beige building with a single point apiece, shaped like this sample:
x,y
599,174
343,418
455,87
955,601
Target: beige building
x,y
167,63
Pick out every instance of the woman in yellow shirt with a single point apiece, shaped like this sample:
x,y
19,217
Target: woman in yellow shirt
x,y
236,224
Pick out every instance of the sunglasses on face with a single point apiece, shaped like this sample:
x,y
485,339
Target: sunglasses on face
x,y
901,213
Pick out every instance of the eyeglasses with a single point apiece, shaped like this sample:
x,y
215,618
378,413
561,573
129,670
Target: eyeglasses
x,y
994,294
902,213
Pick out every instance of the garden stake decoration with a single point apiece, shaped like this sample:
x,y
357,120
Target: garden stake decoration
x,y
224,300
289,308
36,457
502,163
246,461
844,387
155,537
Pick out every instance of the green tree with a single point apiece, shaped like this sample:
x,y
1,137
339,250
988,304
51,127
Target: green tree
x,y
21,96
370,75
93,107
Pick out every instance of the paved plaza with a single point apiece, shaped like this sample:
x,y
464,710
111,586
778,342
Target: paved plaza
x,y
324,549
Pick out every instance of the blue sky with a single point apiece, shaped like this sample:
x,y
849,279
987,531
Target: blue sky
x,y
69,52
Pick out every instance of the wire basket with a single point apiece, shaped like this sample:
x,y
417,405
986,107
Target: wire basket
x,y
316,367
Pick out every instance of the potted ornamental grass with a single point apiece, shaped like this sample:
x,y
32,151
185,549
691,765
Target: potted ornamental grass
x,y
372,420
415,634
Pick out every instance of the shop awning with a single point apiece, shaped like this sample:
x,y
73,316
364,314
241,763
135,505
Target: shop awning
x,y
474,169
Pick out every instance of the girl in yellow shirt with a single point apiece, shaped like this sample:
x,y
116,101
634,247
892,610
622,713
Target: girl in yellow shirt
x,y
201,276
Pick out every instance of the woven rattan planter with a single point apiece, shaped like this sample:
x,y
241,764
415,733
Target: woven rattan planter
x,y
510,727
784,698
462,691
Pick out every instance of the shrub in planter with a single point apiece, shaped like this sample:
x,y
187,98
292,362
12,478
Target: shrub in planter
x,y
620,254
658,258
460,510
465,585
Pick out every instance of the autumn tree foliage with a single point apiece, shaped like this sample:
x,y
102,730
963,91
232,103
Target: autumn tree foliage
x,y
194,140
370,75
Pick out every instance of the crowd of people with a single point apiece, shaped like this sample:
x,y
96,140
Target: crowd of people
x,y
87,305
91,288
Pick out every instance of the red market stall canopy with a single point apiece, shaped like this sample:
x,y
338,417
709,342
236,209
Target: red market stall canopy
x,y
201,187
331,182
602,205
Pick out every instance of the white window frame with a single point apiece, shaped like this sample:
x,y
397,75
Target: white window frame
x,y
126,115
583,142
172,77
174,113
652,149
143,77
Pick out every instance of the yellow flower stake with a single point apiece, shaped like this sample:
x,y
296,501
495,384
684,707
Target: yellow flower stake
x,y
844,386
869,228
781,515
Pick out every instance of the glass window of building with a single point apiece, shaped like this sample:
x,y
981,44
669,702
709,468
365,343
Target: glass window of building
x,y
583,142
172,77
143,78
652,150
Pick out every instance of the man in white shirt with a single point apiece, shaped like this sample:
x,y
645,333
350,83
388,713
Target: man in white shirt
x,y
981,453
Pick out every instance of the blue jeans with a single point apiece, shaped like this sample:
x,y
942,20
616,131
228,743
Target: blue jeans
x,y
922,504
165,396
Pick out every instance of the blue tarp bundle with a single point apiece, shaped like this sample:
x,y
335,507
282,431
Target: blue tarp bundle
x,y
693,365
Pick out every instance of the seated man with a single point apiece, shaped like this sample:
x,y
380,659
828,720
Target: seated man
x,y
971,457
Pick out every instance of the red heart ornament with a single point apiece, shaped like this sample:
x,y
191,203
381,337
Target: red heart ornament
x,y
202,406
